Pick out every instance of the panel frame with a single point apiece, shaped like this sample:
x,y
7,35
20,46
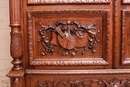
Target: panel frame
x,y
36,2
125,60
86,61
77,80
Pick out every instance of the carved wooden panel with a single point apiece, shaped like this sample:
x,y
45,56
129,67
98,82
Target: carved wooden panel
x,y
78,81
84,83
62,39
70,43
126,37
66,1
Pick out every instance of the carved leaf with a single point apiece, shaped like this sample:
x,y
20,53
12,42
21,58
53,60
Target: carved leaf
x,y
87,83
71,35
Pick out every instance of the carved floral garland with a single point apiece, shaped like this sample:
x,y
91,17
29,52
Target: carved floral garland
x,y
86,83
69,35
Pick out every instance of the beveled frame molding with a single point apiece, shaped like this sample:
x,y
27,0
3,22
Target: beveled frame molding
x,y
125,13
68,1
85,61
77,72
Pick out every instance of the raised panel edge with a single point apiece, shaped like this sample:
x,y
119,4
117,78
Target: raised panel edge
x,y
67,1
97,61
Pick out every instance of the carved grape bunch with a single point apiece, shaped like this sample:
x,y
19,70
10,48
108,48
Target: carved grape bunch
x,y
70,36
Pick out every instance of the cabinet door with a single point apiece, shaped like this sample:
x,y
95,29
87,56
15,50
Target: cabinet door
x,y
65,35
122,34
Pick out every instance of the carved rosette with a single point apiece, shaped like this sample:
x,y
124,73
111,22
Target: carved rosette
x,y
66,1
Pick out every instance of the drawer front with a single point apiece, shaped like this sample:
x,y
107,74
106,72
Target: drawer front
x,y
77,81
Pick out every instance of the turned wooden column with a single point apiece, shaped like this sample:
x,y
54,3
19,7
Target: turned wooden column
x,y
17,73
16,41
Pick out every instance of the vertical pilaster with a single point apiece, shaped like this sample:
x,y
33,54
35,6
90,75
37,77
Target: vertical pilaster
x,y
16,74
16,41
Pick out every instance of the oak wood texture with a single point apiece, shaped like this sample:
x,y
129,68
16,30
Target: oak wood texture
x,y
76,81
70,43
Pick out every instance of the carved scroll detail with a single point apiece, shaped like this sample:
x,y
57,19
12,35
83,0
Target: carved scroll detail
x,y
69,35
86,83
66,1
115,83
75,83
49,84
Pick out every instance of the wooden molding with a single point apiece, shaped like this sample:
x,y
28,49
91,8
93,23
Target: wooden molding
x,y
16,73
99,71
125,15
96,61
67,1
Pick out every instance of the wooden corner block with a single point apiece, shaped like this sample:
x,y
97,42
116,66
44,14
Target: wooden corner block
x,y
19,73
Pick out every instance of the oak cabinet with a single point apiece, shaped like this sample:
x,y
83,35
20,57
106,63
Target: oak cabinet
x,y
70,43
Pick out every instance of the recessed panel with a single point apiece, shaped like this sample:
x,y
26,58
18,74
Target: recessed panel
x,y
77,81
69,37
126,37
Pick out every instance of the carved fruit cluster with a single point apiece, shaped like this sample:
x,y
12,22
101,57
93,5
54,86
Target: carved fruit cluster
x,y
70,36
